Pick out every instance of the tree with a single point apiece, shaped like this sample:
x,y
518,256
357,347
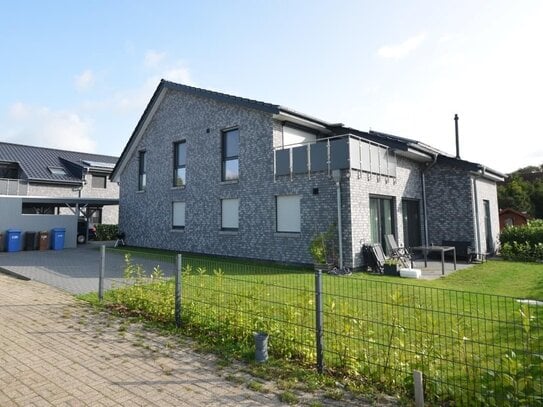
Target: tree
x,y
515,194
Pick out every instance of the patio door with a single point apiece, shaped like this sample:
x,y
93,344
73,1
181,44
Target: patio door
x,y
381,219
411,223
488,228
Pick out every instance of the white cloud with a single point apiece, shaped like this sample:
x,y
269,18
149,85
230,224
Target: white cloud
x,y
153,58
85,80
398,51
42,126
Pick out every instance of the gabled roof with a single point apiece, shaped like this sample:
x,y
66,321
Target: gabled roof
x,y
41,164
411,148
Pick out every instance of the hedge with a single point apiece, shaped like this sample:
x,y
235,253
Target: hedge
x,y
523,243
106,232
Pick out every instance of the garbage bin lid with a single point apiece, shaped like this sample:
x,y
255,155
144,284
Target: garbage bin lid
x,y
14,230
58,230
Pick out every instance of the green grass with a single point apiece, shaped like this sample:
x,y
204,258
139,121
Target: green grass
x,y
377,329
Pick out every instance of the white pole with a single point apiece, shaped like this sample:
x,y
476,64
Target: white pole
x,y
419,391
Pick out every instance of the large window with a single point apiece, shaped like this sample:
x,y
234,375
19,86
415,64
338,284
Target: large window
x,y
179,163
178,215
142,175
382,220
230,214
98,181
230,155
288,213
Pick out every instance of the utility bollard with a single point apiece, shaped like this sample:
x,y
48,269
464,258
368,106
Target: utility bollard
x,y
261,346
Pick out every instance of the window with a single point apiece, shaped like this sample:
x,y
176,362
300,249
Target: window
x,y
142,176
96,217
288,213
230,155
57,171
381,219
98,181
179,163
178,217
230,214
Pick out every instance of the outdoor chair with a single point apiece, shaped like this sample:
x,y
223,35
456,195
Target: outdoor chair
x,y
120,239
396,252
378,257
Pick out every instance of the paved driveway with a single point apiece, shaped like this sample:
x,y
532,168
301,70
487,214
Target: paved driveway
x,y
74,270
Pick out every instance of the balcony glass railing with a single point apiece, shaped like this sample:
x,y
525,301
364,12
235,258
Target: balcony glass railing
x,y
13,187
335,153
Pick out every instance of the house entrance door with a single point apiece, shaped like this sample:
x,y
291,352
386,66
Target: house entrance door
x,y
411,223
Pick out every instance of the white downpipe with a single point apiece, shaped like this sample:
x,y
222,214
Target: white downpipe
x,y
477,229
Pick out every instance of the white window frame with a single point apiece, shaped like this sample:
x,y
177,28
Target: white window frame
x,y
230,214
288,213
178,215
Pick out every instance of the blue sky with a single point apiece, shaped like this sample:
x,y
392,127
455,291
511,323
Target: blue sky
x,y
77,75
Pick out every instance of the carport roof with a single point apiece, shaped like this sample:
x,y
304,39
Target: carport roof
x,y
68,200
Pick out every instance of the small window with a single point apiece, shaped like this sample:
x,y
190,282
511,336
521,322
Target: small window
x,y
142,176
57,171
98,181
288,213
230,214
230,155
178,218
96,217
179,163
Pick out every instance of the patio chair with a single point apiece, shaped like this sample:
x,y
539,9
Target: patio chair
x,y
396,252
120,239
378,257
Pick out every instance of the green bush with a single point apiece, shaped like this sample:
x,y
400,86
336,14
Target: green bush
x,y
106,232
523,243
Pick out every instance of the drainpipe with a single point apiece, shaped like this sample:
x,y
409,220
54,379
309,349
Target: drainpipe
x,y
424,205
477,228
336,174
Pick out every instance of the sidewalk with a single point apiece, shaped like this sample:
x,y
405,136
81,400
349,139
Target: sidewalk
x,y
56,350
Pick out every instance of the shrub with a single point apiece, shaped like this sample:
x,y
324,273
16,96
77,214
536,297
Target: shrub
x,y
106,232
523,243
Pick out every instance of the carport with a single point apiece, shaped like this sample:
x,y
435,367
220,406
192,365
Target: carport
x,y
29,213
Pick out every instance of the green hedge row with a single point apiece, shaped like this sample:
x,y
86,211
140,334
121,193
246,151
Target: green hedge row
x,y
106,232
523,243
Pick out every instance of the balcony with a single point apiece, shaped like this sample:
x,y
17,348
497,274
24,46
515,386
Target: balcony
x,y
345,152
15,187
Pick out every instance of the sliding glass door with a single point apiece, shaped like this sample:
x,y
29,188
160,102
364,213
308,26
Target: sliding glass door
x,y
381,219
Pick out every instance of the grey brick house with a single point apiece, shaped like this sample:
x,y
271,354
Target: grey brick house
x,y
42,188
212,173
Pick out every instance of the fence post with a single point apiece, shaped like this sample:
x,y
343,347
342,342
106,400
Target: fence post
x,y
318,325
178,272
419,391
102,272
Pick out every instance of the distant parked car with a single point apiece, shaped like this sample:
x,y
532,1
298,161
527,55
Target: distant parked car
x,y
81,235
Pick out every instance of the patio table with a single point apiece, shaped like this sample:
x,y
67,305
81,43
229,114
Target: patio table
x,y
442,249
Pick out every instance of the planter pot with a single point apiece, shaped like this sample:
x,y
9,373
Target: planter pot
x,y
391,270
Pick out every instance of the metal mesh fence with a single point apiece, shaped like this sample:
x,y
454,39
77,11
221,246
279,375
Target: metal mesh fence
x,y
472,348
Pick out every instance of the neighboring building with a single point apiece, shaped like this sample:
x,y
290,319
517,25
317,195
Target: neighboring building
x,y
213,173
53,183
510,217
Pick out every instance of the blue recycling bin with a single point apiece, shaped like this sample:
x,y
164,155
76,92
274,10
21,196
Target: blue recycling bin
x,y
57,238
13,240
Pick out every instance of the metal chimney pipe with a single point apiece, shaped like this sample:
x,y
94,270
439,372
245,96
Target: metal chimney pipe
x,y
456,135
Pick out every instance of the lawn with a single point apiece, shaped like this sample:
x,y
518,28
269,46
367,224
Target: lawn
x,y
470,340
